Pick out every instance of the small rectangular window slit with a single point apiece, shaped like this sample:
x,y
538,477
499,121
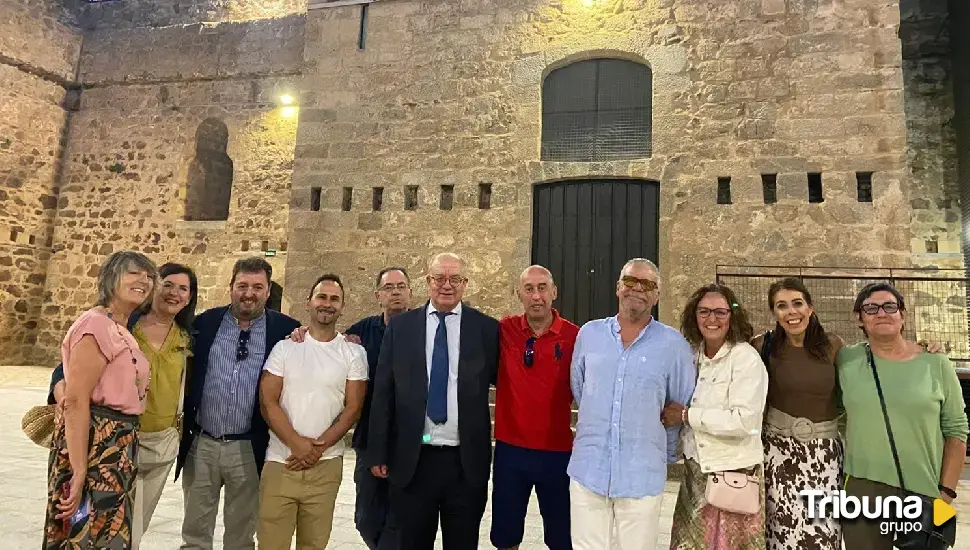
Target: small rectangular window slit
x,y
362,34
447,197
264,246
724,190
769,188
377,201
244,246
864,186
315,199
484,196
932,247
411,197
348,200
815,187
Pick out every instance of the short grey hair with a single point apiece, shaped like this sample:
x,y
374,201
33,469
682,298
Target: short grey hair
x,y
436,259
115,267
640,261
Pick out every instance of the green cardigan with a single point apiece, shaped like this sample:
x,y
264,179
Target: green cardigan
x,y
925,405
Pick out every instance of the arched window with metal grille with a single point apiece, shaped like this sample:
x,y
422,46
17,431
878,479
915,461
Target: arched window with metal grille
x,y
597,110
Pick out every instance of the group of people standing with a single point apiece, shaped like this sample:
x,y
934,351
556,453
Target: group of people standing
x,y
267,405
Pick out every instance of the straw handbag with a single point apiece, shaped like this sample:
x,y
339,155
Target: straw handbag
x,y
38,424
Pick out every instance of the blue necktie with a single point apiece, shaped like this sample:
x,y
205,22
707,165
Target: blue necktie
x,y
438,381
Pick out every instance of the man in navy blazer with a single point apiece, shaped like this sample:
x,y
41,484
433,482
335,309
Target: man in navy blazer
x,y
224,438
430,427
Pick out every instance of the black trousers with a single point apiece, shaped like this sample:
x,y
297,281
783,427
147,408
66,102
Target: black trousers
x,y
439,489
372,514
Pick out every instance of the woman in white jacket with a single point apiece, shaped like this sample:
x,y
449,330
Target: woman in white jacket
x,y
722,426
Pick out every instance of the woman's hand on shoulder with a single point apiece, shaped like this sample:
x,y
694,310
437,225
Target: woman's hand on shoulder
x,y
928,347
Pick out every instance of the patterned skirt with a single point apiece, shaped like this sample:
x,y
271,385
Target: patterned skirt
x,y
699,526
108,490
792,465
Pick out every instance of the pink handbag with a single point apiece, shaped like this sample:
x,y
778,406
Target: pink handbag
x,y
736,492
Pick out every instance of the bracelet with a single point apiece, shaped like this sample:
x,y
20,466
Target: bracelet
x,y
683,416
947,491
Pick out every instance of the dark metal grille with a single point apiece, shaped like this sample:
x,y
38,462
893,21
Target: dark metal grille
x,y
585,230
597,110
935,300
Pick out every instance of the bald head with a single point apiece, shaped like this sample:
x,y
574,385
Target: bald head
x,y
537,291
535,271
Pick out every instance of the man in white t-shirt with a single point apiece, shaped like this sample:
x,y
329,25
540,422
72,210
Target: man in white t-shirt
x,y
311,394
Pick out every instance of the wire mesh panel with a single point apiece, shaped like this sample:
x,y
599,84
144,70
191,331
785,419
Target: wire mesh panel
x,y
936,309
597,110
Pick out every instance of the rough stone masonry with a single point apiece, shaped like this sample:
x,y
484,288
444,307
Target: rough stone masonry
x,y
102,106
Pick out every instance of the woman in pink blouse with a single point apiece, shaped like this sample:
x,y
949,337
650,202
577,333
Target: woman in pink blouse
x,y
92,469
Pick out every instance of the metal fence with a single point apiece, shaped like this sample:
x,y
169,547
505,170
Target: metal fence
x,y
936,299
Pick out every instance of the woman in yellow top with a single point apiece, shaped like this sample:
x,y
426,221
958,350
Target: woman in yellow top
x,y
162,331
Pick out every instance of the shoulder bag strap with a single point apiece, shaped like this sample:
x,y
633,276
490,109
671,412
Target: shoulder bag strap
x,y
885,415
766,348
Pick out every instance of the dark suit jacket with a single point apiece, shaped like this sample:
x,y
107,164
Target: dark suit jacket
x,y
278,327
400,401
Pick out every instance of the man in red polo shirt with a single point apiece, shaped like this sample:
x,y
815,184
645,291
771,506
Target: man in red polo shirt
x,y
533,413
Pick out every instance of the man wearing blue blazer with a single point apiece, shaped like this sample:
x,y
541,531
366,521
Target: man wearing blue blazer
x,y
225,437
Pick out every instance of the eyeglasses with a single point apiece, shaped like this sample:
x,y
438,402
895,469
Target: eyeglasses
x,y
530,353
630,281
242,349
455,280
392,287
873,309
719,313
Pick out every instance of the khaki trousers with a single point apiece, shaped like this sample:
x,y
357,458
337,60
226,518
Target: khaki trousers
x,y
212,464
157,452
601,523
298,500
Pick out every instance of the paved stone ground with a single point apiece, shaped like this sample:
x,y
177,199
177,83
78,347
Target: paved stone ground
x,y
23,492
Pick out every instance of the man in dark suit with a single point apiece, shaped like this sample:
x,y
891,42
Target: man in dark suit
x,y
430,428
224,438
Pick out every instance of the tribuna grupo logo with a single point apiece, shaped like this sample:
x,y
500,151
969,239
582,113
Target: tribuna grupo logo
x,y
897,514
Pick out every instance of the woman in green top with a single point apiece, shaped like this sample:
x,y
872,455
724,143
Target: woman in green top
x,y
926,413
163,335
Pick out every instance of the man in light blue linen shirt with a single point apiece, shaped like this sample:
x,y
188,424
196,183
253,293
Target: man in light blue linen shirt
x,y
624,370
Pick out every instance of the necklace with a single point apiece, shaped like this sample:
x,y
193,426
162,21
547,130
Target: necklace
x,y
142,394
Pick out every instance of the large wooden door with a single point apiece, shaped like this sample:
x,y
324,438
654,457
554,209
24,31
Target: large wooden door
x,y
585,230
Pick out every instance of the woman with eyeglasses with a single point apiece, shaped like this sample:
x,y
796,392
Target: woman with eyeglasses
x,y
92,465
721,437
802,445
162,328
922,398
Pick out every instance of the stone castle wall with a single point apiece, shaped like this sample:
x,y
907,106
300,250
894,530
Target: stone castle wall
x,y
448,93
32,123
147,89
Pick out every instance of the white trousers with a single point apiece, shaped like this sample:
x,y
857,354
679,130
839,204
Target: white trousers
x,y
157,452
602,523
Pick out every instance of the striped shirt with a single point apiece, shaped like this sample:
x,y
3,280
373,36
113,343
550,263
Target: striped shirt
x,y
231,387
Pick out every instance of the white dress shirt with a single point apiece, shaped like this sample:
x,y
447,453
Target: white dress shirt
x,y
447,433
